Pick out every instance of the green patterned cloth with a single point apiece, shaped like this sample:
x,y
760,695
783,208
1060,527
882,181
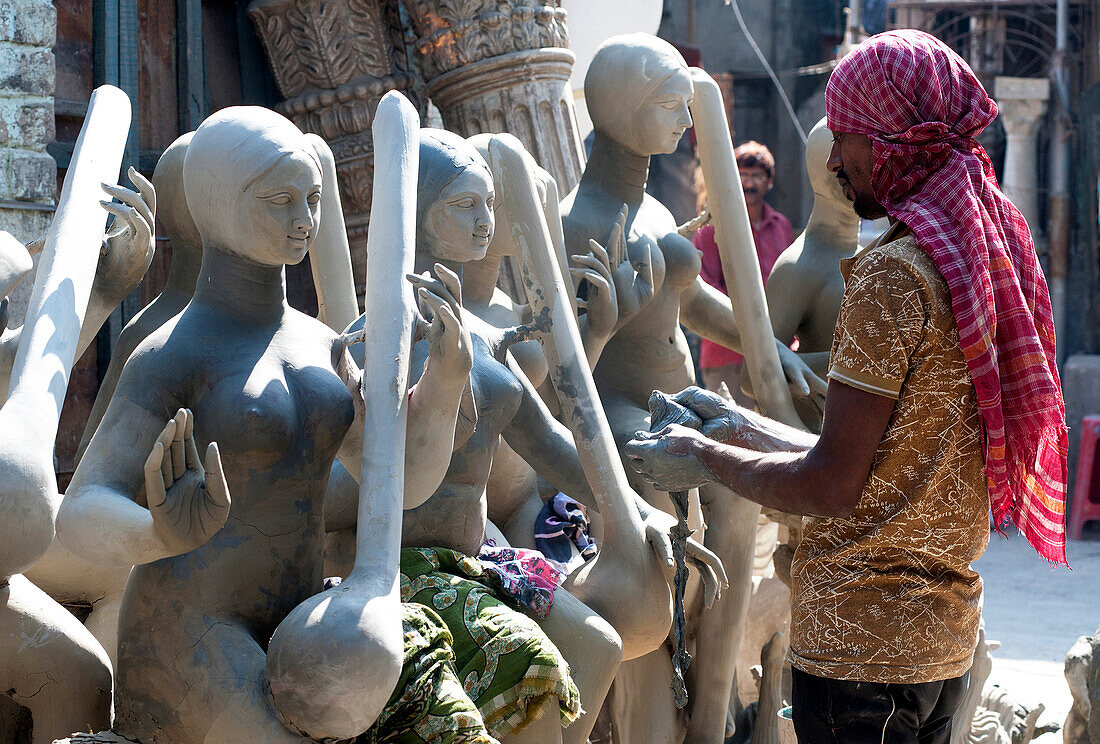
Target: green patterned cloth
x,y
428,705
506,663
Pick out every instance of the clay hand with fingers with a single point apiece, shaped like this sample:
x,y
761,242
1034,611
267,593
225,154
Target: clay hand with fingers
x,y
633,280
594,269
666,458
697,222
658,530
188,497
128,246
801,380
440,301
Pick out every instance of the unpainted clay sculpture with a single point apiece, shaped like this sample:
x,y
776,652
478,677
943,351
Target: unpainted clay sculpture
x,y
806,287
61,574
456,225
513,499
638,90
51,664
1083,677
211,584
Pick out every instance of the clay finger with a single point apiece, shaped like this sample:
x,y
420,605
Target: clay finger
x,y
600,253
154,483
145,188
124,215
450,281
700,552
662,546
217,490
191,450
179,461
433,302
712,589
164,439
166,466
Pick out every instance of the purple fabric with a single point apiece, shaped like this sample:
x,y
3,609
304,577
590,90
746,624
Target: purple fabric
x,y
563,522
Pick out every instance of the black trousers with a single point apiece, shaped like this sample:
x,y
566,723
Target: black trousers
x,y
835,711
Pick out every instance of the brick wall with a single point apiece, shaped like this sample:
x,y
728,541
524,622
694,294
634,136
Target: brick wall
x,y
28,175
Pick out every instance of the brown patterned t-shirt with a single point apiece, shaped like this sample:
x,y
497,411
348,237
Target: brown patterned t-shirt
x,y
888,594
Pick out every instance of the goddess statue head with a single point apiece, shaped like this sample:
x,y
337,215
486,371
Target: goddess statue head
x,y
638,88
454,198
253,185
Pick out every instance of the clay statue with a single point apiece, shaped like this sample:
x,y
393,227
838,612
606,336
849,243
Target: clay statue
x,y
52,665
457,196
62,575
1082,667
806,287
638,89
513,499
268,388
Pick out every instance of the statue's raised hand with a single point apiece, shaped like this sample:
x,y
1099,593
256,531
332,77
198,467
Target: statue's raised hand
x,y
128,247
440,299
600,303
633,280
189,501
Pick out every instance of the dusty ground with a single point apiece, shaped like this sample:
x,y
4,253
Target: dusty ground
x,y
1037,614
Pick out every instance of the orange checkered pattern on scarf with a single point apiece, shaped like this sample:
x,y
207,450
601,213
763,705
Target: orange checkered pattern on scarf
x,y
921,105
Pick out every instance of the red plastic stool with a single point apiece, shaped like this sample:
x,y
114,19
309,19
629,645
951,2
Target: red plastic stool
x,y
1086,494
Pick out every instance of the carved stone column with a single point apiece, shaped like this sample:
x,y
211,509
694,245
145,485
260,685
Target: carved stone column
x,y
502,66
333,60
1023,103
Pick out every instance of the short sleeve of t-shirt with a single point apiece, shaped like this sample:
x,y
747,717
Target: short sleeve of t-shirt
x,y
882,320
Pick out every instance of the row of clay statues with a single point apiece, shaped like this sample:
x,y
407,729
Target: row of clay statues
x,y
240,452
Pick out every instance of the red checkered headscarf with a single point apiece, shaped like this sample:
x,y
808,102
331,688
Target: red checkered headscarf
x,y
922,106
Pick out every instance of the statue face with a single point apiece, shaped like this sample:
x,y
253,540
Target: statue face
x,y
283,207
460,222
663,117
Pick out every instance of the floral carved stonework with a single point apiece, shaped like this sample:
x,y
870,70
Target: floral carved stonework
x,y
454,33
502,66
333,60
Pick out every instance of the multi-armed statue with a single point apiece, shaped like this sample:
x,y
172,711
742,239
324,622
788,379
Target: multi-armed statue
x,y
640,93
270,386
51,663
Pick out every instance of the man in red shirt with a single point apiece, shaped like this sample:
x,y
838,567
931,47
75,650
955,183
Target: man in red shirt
x,y
771,232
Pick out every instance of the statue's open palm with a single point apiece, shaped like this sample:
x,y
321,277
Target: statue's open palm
x,y
189,499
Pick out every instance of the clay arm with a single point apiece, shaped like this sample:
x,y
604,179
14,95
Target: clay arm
x,y
546,443
825,479
135,459
433,402
790,303
707,312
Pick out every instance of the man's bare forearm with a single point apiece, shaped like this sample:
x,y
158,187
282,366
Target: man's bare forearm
x,y
768,435
791,482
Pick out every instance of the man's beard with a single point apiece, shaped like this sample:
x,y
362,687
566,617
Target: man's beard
x,y
868,209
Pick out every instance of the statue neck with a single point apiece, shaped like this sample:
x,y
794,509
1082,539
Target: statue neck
x,y
236,284
479,279
183,272
833,223
617,170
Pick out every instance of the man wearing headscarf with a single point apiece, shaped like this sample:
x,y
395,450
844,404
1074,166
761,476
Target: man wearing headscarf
x,y
943,403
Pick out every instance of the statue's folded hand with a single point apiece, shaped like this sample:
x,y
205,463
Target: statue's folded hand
x,y
188,499
658,530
